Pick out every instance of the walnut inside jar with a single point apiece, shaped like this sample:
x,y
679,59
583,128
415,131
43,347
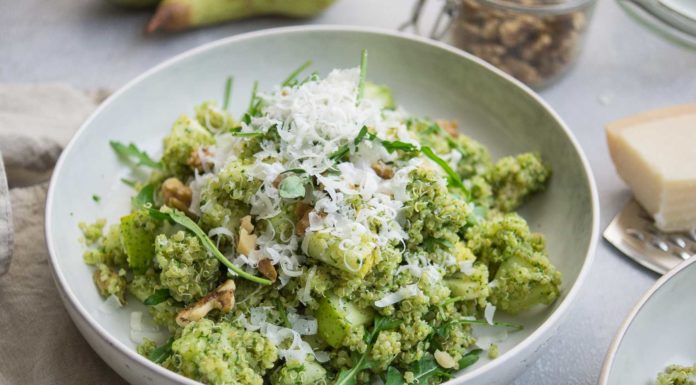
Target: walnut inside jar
x,y
533,46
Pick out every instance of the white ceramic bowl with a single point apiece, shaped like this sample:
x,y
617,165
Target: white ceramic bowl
x,y
659,331
429,78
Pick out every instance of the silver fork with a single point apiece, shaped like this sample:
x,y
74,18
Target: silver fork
x,y
633,232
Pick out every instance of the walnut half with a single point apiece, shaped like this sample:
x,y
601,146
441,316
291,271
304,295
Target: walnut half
x,y
221,298
176,194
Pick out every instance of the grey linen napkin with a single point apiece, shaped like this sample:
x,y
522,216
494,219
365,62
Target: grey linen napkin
x,y
38,342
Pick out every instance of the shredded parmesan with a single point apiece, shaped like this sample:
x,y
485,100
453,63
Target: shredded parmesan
x,y
143,327
403,293
306,326
291,346
306,298
488,313
111,305
467,267
313,120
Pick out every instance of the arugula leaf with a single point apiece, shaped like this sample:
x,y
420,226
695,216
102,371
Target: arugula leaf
x,y
314,76
247,134
393,145
159,296
344,149
363,76
161,353
426,368
145,197
380,324
283,313
394,377
453,177
292,187
469,359
228,92
131,151
294,171
291,79
252,110
347,377
361,135
129,182
180,218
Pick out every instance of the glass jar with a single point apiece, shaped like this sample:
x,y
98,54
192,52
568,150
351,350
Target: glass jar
x,y
535,41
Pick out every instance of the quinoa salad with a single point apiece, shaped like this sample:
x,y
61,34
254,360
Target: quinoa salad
x,y
325,236
677,375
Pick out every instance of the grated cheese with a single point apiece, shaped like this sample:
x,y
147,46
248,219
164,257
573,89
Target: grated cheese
x,y
488,313
403,293
313,120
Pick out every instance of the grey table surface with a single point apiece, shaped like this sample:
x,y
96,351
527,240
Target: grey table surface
x,y
623,70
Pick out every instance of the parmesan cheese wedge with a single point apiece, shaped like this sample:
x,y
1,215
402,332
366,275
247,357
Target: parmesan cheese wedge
x,y
655,154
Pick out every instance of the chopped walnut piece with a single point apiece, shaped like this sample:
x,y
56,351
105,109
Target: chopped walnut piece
x,y
245,223
267,269
450,126
247,240
194,160
383,170
302,211
277,180
517,30
222,298
176,194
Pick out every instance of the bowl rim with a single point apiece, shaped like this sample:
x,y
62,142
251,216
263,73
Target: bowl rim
x,y
547,326
631,317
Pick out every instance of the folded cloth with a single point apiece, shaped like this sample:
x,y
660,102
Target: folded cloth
x,y
36,122
6,233
38,342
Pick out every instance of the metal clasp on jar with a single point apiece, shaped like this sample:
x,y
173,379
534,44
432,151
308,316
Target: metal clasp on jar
x,y
445,18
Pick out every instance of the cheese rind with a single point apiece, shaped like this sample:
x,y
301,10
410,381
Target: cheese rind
x,y
655,154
